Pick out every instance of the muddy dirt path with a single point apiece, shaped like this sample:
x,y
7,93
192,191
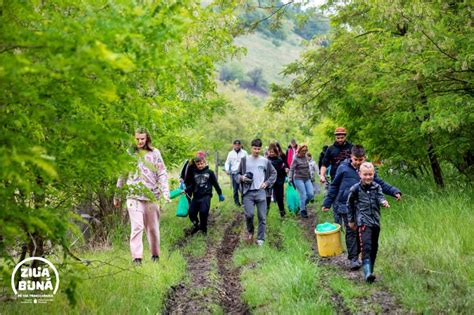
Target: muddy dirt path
x,y
231,289
207,287
386,301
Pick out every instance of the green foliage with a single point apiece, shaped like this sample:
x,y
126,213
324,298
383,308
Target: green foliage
x,y
310,24
76,80
231,72
257,15
398,75
246,118
277,20
255,80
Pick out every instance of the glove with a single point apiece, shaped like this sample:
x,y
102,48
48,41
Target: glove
x,y
221,198
181,186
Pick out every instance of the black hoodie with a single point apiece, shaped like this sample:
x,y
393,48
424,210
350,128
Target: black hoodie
x,y
335,155
201,182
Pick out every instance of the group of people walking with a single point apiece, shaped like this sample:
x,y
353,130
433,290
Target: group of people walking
x,y
354,192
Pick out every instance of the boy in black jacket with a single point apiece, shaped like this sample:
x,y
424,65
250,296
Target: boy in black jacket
x,y
363,205
200,186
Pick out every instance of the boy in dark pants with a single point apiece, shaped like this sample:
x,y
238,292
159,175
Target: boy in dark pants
x,y
347,175
201,182
365,199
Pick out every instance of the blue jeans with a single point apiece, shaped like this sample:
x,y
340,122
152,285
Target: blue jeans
x,y
305,190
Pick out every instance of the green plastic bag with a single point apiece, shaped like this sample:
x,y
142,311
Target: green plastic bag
x,y
175,193
325,227
183,205
292,199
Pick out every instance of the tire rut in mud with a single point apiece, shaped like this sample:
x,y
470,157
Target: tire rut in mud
x,y
383,298
203,292
230,287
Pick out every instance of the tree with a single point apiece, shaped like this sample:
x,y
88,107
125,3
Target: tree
x,y
399,75
256,79
77,78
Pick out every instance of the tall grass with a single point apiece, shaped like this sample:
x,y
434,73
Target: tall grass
x,y
427,246
111,284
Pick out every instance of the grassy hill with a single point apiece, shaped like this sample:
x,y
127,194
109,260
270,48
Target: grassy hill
x,y
263,53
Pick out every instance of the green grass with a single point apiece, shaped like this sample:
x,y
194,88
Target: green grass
x,y
426,259
427,247
262,53
282,281
111,284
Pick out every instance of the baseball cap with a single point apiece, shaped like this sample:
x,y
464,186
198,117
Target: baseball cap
x,y
237,142
340,131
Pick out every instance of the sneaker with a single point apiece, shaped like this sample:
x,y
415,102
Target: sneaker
x,y
260,242
155,258
356,264
137,261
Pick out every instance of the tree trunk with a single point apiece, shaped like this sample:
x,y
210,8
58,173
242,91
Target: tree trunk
x,y
435,167
217,165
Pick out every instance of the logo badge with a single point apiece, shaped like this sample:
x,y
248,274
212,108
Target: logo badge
x,y
35,283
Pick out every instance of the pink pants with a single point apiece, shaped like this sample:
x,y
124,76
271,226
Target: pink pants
x,y
144,215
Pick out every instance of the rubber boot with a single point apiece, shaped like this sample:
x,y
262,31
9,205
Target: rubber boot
x,y
367,267
372,264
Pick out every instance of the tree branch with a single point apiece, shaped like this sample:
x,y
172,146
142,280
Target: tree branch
x,y
369,32
279,8
439,48
321,89
5,48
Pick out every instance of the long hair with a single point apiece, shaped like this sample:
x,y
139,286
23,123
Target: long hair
x,y
273,147
301,147
148,145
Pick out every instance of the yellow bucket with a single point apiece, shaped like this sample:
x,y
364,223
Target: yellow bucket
x,y
329,243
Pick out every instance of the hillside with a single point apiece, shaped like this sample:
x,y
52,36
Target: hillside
x,y
270,48
263,53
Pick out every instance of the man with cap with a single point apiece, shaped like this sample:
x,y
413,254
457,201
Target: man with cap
x,y
232,167
335,154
